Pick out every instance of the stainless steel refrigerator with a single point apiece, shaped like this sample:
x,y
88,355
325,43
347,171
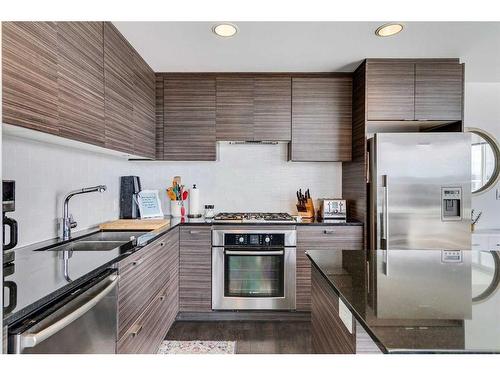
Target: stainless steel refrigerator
x,y
420,200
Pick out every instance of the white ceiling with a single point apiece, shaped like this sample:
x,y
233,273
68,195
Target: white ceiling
x,y
311,46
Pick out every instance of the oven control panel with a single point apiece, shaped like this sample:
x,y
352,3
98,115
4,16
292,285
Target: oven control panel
x,y
254,239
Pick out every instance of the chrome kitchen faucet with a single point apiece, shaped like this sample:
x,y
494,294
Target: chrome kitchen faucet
x,y
68,222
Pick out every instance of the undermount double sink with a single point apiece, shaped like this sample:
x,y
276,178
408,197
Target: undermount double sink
x,y
101,241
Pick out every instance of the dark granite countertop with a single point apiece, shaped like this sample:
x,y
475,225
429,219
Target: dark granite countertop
x,y
38,273
419,301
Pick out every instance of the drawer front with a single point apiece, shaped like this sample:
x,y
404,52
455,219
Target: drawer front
x,y
329,237
148,331
142,275
195,277
494,243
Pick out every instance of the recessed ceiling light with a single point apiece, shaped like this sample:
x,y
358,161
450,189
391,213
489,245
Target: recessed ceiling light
x,y
389,29
225,30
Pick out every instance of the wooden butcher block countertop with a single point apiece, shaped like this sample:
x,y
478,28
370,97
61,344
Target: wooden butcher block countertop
x,y
135,224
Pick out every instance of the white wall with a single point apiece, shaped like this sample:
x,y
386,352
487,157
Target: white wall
x,y
482,110
245,178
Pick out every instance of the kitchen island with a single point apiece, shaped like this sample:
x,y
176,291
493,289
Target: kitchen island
x,y
405,301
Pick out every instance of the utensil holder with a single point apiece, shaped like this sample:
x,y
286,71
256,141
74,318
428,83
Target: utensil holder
x,y
308,212
176,208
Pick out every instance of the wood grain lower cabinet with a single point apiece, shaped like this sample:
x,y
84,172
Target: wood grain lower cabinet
x,y
195,277
80,79
148,295
149,330
321,119
189,118
29,75
324,238
329,335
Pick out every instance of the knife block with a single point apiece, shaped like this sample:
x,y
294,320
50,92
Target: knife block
x,y
308,213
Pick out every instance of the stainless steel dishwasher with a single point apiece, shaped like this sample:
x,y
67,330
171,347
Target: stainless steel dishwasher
x,y
83,321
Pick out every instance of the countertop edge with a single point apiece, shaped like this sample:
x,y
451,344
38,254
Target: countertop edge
x,y
358,317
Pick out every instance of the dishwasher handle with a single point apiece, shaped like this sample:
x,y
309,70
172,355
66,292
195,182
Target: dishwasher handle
x,y
30,340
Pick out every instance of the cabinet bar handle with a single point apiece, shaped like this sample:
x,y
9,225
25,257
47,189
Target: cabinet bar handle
x,y
135,332
328,231
137,262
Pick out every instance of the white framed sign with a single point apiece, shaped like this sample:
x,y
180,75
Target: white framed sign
x,y
149,204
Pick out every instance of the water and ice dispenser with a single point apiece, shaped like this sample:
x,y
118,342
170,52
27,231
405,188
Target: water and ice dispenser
x,y
451,203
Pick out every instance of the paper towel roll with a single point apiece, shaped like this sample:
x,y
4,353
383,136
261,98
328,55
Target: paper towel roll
x,y
194,201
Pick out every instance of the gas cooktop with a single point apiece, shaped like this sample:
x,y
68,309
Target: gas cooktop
x,y
253,217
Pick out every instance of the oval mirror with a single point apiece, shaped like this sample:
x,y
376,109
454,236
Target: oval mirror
x,y
485,274
485,160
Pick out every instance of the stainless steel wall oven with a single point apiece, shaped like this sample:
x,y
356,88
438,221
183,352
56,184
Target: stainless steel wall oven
x,y
253,269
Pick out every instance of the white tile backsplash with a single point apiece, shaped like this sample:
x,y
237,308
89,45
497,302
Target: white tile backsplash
x,y
244,178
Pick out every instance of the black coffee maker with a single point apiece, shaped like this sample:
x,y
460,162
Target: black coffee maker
x,y
130,186
9,205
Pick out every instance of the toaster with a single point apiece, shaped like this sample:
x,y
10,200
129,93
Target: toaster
x,y
333,210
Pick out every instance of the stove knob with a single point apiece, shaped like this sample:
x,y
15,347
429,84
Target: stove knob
x,y
267,239
241,240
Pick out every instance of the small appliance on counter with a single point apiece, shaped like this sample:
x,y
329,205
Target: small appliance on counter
x,y
332,210
209,211
130,186
9,205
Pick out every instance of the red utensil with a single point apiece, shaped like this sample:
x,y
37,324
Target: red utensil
x,y
183,211
184,195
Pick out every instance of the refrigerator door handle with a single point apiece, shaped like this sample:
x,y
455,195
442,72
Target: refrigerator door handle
x,y
384,237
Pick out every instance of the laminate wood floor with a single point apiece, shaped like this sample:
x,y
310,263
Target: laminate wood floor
x,y
250,337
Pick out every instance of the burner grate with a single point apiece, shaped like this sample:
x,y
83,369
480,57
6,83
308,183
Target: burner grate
x,y
253,216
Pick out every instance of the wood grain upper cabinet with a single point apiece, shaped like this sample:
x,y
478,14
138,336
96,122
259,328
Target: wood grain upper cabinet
x,y
235,106
390,90
438,91
144,108
189,118
118,89
321,119
272,108
81,81
29,73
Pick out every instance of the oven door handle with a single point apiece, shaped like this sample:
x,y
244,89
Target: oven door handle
x,y
33,339
231,252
